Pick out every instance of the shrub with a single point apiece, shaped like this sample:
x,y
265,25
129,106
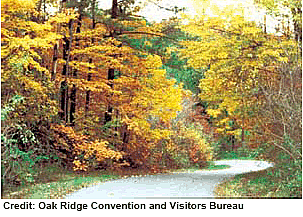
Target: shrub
x,y
24,145
189,147
80,150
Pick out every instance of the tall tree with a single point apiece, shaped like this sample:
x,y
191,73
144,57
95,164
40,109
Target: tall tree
x,y
240,58
93,12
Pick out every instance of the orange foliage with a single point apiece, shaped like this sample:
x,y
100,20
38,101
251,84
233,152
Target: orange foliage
x,y
82,149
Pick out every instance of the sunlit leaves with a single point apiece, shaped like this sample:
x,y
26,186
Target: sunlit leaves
x,y
25,47
18,6
236,52
64,17
158,97
115,96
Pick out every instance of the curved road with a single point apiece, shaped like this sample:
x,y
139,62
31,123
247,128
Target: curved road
x,y
200,183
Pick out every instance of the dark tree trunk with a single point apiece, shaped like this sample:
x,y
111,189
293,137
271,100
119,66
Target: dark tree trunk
x,y
114,14
89,76
111,76
65,72
63,101
73,94
87,98
297,12
108,114
72,110
125,134
111,71
44,11
64,87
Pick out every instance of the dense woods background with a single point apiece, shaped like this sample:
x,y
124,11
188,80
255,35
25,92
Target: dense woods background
x,y
91,89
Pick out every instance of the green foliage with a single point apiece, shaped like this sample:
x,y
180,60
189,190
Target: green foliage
x,y
190,77
10,106
21,150
167,48
223,149
18,165
212,166
283,180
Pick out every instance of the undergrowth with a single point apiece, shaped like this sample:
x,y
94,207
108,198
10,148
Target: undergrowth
x,y
284,180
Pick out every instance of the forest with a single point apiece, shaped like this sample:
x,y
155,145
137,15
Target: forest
x,y
89,89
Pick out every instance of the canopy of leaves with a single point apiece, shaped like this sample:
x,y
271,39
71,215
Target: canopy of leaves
x,y
241,59
94,91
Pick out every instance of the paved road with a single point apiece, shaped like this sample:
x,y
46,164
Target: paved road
x,y
200,183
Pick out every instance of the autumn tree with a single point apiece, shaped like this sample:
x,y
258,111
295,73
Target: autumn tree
x,y
27,89
283,100
74,76
115,77
240,58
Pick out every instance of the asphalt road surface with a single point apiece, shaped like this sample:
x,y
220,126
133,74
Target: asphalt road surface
x,y
196,184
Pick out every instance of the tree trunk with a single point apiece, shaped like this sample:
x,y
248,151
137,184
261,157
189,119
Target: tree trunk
x,y
297,12
87,98
111,76
63,101
73,94
89,76
54,63
65,72
114,14
111,71
64,87
72,110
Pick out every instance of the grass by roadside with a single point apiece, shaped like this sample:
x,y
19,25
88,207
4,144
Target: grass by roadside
x,y
210,166
284,180
270,183
55,183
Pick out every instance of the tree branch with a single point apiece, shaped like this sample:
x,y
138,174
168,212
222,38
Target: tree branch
x,y
238,34
138,32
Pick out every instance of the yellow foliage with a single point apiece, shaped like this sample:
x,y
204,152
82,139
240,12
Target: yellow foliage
x,y
30,83
214,112
79,165
235,52
142,99
192,141
153,61
64,17
17,6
